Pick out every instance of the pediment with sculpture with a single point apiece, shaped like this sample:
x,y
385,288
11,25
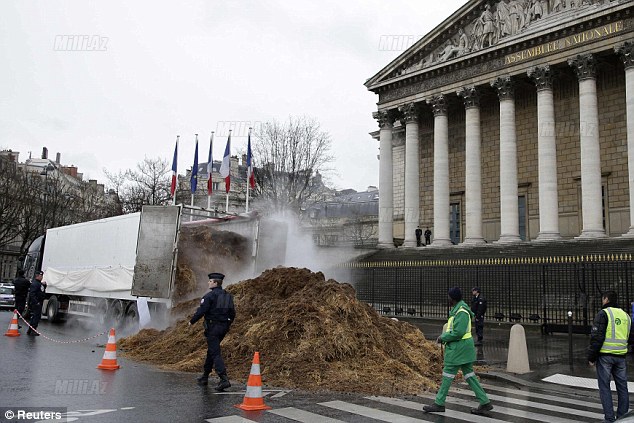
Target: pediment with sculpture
x,y
497,22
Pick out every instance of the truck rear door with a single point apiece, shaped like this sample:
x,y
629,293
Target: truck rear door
x,y
156,251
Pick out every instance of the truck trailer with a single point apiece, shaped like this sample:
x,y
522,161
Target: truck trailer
x,y
109,268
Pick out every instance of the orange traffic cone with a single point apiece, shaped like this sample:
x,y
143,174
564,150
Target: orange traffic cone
x,y
253,397
13,326
109,360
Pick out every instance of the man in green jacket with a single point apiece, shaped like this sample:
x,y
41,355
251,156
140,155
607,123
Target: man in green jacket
x,y
460,354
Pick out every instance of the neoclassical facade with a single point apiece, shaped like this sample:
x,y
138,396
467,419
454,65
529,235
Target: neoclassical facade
x,y
512,120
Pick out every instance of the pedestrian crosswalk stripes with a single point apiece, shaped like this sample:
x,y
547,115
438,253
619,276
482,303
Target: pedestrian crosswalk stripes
x,y
458,415
369,412
510,405
581,382
303,416
541,405
549,397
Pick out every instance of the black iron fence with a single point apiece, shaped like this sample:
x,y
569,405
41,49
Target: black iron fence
x,y
539,290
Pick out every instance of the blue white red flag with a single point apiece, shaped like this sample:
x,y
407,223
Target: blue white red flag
x,y
210,165
194,179
173,187
225,168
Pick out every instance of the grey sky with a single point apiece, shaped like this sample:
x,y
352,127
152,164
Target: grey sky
x,y
191,67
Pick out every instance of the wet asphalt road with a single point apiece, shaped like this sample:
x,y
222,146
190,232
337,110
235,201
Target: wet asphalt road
x,y
37,372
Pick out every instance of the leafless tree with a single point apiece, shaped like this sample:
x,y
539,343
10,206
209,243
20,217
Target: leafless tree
x,y
289,159
148,184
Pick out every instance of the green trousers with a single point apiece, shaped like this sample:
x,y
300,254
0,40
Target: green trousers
x,y
448,375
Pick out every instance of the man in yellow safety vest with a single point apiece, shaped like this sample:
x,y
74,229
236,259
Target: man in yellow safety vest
x,y
609,342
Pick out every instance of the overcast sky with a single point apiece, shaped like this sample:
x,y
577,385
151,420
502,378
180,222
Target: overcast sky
x,y
193,67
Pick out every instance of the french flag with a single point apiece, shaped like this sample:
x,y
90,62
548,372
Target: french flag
x,y
225,168
210,164
173,187
250,174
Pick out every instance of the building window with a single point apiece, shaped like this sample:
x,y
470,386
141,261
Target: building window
x,y
521,213
454,223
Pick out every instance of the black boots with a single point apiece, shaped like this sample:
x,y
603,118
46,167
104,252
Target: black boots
x,y
203,380
482,409
434,408
224,383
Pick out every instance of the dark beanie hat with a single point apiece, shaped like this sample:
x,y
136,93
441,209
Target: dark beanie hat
x,y
455,293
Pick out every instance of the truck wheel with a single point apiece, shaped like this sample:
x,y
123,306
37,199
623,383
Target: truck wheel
x,y
52,309
132,314
117,312
102,311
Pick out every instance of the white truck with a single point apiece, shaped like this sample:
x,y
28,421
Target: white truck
x,y
107,268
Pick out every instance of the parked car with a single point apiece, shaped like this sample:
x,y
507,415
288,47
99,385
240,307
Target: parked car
x,y
7,297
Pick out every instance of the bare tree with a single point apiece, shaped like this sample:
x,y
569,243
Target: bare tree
x,y
290,157
147,184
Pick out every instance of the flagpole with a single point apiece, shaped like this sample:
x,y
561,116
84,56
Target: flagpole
x,y
174,165
191,216
210,166
247,208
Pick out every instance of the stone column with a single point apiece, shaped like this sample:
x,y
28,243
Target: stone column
x,y
386,182
546,154
473,178
441,171
509,217
626,51
591,201
412,164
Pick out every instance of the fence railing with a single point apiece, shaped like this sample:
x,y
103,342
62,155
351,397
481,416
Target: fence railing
x,y
534,290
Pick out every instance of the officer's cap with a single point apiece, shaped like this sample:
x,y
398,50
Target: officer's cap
x,y
39,273
216,276
476,288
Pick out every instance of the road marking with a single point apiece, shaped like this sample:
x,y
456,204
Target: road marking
x,y
385,416
303,416
280,394
496,408
127,408
539,405
449,413
581,382
230,419
531,394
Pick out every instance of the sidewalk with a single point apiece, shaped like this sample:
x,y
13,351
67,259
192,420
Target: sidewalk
x,y
547,354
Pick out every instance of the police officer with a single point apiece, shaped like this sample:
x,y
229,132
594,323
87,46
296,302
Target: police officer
x,y
21,289
37,293
609,340
478,307
219,312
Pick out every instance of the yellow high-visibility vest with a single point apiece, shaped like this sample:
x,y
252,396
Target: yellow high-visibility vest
x,y
467,335
617,332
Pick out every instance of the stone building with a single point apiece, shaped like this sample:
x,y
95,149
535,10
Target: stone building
x,y
512,120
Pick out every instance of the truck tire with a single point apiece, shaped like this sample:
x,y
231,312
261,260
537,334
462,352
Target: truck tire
x,y
117,312
101,313
52,309
132,314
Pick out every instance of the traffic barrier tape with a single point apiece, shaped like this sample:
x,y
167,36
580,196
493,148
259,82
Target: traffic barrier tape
x,y
74,341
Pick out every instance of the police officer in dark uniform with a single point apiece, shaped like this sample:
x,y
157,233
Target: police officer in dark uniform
x,y
21,289
37,294
219,312
478,307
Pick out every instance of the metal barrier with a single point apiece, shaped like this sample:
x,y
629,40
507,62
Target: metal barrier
x,y
529,290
